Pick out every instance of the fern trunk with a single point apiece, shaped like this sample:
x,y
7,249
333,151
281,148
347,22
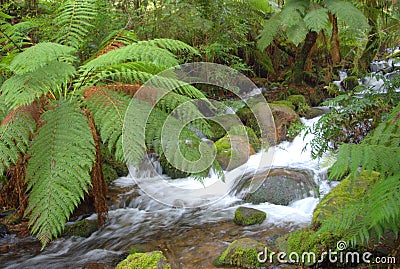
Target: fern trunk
x,y
334,42
298,72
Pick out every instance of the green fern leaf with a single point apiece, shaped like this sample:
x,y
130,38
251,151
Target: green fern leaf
x,y
172,45
297,33
269,31
348,13
131,53
23,89
122,36
62,155
74,21
316,19
15,132
108,110
40,55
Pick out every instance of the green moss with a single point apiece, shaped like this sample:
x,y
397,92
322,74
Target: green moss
x,y
308,240
348,191
170,170
285,102
247,117
300,103
150,260
112,168
82,228
249,216
242,252
223,147
217,130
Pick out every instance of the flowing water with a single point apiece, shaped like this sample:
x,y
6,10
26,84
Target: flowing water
x,y
190,236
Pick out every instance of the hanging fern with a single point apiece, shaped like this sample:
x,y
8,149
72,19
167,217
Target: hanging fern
x,y
62,155
317,19
108,109
23,89
74,21
348,13
16,130
40,55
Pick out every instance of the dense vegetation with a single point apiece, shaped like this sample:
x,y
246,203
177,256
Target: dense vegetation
x,y
69,70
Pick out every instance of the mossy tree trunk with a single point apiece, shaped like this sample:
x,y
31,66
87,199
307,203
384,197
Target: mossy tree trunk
x,y
334,41
303,55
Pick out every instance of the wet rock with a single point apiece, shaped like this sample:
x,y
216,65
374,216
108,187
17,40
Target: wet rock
x,y
248,216
279,186
150,260
314,112
82,228
3,230
233,151
221,124
242,252
284,116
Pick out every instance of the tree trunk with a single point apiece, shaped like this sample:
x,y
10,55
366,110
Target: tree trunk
x,y
298,72
334,42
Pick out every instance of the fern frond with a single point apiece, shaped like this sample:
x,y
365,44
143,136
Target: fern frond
x,y
348,13
14,36
172,45
316,19
296,5
132,53
117,39
23,89
108,110
74,19
131,72
269,31
16,130
40,55
297,33
62,155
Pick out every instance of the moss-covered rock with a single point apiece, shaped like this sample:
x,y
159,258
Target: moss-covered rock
x,y
346,192
242,252
248,216
244,131
82,228
349,83
285,102
278,186
233,151
221,124
149,260
313,112
300,103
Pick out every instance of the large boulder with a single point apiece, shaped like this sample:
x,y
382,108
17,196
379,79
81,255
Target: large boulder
x,y
242,252
248,216
233,151
284,116
148,260
279,186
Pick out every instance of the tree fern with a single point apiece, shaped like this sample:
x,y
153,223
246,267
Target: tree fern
x,y
16,130
297,33
13,37
117,38
62,155
269,31
172,45
74,21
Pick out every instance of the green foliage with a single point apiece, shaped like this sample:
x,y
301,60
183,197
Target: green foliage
x,y
348,13
13,37
108,110
15,135
378,211
75,21
242,252
62,155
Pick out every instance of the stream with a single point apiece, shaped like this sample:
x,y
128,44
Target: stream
x,y
190,237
